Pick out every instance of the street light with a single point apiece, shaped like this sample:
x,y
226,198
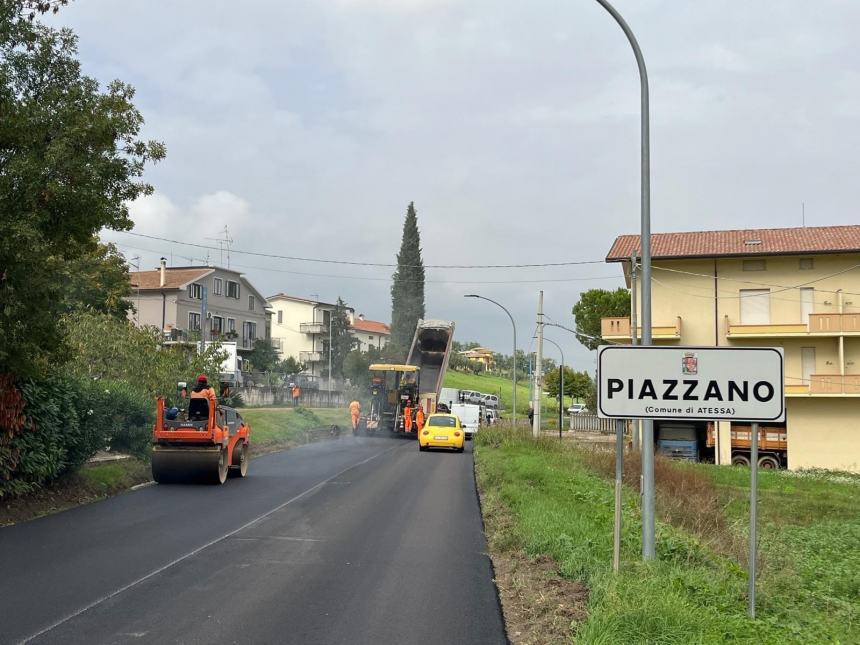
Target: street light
x,y
514,378
647,443
560,385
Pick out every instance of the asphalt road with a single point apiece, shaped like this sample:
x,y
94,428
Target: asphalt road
x,y
348,541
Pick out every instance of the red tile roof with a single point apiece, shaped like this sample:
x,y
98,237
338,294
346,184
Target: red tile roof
x,y
174,278
371,327
764,241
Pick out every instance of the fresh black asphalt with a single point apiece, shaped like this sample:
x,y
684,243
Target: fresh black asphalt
x,y
349,541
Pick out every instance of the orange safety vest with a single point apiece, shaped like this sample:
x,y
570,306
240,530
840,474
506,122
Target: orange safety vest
x,y
419,418
407,418
205,393
355,408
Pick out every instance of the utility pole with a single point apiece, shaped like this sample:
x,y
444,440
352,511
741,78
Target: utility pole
x,y
538,370
636,425
330,319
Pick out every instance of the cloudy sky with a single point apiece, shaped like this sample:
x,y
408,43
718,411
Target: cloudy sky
x,y
307,127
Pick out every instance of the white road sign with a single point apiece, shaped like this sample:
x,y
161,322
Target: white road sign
x,y
727,383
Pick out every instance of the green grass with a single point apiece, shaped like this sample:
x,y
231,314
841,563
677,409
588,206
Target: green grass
x,y
809,587
111,476
490,384
273,428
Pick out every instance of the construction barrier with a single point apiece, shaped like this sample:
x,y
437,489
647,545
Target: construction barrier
x,y
591,423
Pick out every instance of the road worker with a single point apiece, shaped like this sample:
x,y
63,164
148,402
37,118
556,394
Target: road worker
x,y
407,416
355,413
203,389
419,419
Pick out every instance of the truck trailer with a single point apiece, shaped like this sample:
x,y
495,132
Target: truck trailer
x,y
430,352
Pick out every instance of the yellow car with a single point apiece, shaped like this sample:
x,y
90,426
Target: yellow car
x,y
442,431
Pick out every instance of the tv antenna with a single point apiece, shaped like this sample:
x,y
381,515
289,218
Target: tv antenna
x,y
224,244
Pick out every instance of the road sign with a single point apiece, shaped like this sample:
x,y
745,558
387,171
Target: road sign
x,y
712,383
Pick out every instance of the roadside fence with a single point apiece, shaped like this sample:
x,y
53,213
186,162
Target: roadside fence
x,y
592,423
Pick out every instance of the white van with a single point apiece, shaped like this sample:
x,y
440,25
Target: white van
x,y
449,396
470,417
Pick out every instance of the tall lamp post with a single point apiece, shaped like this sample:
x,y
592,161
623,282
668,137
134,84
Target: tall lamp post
x,y
514,378
560,384
647,444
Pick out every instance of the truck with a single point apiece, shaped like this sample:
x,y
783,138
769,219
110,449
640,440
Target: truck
x,y
230,373
430,352
772,445
470,415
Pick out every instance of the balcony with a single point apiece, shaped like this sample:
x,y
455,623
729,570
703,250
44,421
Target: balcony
x,y
310,357
618,328
826,385
819,325
313,328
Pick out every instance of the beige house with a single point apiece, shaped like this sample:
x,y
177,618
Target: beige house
x,y
370,333
796,288
480,355
171,298
300,328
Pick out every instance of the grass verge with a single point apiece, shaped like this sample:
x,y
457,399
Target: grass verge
x,y
490,384
556,503
280,428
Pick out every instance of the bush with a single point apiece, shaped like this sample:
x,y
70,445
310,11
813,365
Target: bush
x,y
118,412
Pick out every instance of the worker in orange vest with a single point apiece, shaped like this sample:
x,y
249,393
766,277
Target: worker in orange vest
x,y
355,413
203,389
419,419
407,416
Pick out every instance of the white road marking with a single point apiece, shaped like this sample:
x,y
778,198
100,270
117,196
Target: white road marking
x,y
172,563
143,485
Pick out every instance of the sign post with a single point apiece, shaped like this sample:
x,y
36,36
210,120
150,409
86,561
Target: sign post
x,y
699,384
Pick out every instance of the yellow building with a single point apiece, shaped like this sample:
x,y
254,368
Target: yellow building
x,y
796,288
480,355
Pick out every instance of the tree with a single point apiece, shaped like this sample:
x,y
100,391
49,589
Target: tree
x,y
264,357
342,340
70,162
576,384
593,305
407,289
98,281
290,366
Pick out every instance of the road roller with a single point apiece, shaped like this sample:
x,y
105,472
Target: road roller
x,y
204,444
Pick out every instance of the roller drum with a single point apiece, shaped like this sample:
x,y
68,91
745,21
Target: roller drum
x,y
173,465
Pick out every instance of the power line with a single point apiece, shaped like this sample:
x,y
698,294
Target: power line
x,y
367,264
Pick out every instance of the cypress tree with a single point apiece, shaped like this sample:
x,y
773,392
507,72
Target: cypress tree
x,y
407,289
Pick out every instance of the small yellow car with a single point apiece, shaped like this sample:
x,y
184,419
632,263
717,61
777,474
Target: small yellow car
x,y
442,431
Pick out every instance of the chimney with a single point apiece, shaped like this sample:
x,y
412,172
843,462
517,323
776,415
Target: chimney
x,y
361,316
163,278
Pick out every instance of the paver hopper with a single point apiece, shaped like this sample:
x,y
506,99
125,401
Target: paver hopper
x,y
207,445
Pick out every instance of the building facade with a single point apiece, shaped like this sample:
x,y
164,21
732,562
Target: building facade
x,y
370,334
300,328
795,288
172,298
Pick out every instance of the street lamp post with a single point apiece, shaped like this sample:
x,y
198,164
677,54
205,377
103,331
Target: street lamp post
x,y
647,443
560,385
514,378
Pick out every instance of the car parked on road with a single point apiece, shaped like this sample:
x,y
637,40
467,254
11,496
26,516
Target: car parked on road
x,y
577,408
491,401
442,431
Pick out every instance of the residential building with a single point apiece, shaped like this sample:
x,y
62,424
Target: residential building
x,y
300,328
370,334
171,298
480,355
795,288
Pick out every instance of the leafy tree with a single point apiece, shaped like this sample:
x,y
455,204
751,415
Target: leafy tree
x,y
593,305
70,162
342,340
290,366
98,281
576,384
407,289
264,357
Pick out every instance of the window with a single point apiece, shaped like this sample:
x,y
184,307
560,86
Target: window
x,y
249,330
280,317
193,321
217,324
195,291
232,289
442,422
370,338
754,265
755,306
218,287
231,324
251,303
807,264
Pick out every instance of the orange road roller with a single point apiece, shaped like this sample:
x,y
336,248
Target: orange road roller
x,y
204,444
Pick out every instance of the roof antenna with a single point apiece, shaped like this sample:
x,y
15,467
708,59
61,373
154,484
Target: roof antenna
x,y
803,213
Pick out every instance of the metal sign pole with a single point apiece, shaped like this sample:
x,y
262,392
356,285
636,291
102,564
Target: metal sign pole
x,y
619,471
753,518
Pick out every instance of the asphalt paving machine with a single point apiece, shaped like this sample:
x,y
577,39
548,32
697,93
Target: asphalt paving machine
x,y
391,387
204,444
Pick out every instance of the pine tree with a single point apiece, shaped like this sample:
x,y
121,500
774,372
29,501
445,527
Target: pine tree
x,y
407,289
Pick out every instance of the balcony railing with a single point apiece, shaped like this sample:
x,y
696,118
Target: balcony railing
x,y
818,325
310,357
826,384
618,328
313,328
